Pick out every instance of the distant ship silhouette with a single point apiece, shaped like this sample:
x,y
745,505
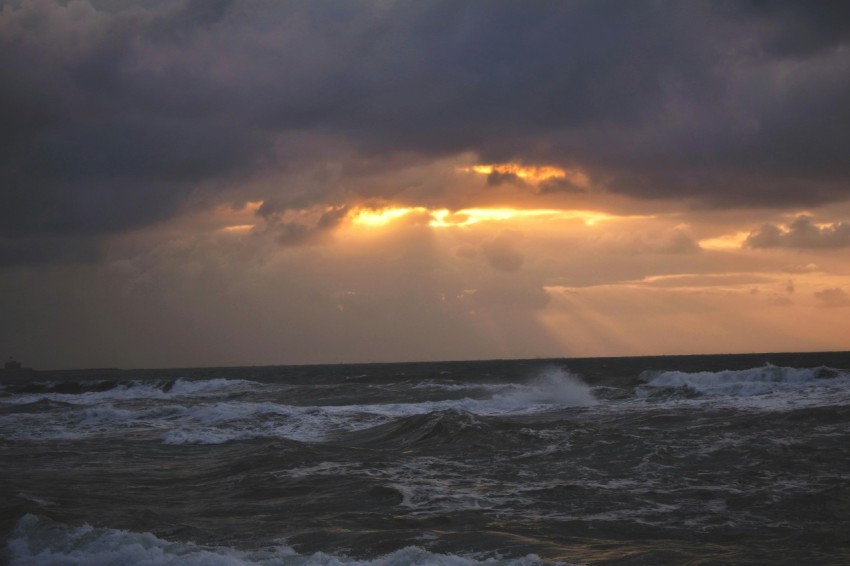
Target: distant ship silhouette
x,y
12,366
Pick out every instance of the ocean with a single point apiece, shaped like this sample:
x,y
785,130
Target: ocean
x,y
737,459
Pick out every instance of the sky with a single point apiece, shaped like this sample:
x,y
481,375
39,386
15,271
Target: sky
x,y
245,182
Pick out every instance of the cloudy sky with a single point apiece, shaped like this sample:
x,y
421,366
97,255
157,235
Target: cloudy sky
x,y
246,182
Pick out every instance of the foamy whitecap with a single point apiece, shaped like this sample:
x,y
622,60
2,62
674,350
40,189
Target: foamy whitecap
x,y
454,386
189,412
553,386
748,382
766,388
133,390
223,422
38,541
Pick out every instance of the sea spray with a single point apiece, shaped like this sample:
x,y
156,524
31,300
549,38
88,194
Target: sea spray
x,y
554,386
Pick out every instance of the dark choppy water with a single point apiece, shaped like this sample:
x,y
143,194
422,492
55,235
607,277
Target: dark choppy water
x,y
710,459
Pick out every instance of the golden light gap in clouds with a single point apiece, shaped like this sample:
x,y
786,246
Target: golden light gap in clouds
x,y
444,218
230,219
239,228
382,216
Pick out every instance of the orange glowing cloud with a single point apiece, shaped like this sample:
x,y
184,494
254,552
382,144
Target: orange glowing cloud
x,y
725,242
235,220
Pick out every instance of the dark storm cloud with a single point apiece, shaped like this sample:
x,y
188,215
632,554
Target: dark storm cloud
x,y
547,186
496,178
298,233
113,113
801,233
803,28
559,185
97,139
28,251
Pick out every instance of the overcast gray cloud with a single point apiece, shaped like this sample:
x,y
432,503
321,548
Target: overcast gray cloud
x,y
501,252
115,113
833,298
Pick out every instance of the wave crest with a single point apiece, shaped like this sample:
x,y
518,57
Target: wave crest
x,y
552,386
96,391
41,541
439,427
740,383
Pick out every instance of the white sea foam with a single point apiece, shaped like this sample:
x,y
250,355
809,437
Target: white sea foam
x,y
455,386
193,412
226,421
133,390
430,486
769,388
41,542
748,382
81,422
553,386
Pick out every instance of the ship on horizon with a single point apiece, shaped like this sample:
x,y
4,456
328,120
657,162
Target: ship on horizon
x,y
14,366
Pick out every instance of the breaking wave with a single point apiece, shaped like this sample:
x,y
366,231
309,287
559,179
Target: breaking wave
x,y
763,380
97,391
41,541
440,427
552,386
197,412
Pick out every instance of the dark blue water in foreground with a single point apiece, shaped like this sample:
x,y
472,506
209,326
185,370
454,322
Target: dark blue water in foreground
x,y
666,460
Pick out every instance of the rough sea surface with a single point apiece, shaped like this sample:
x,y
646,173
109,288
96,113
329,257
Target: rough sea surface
x,y
665,460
